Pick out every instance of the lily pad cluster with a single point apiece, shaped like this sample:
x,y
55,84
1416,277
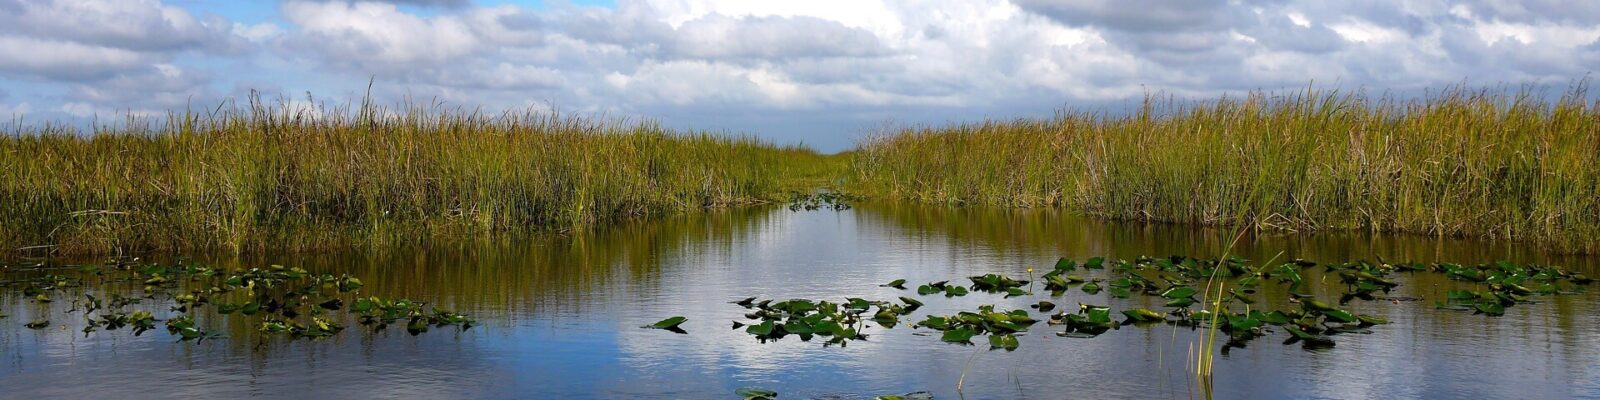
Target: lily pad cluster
x,y
1197,293
820,201
942,287
1505,284
994,283
1001,326
754,393
840,322
288,301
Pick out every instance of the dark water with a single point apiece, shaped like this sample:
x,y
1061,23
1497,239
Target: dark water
x,y
559,318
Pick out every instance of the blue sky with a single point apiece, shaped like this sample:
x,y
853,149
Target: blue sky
x,y
822,72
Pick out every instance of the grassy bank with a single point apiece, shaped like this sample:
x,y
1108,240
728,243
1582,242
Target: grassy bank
x,y
1485,163
258,177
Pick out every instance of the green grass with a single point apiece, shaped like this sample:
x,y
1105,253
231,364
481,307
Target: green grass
x,y
1462,162
258,177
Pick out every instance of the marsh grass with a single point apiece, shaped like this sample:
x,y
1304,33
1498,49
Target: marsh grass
x,y
260,176
1490,163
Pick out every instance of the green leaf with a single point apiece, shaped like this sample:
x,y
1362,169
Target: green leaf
x,y
1179,292
958,335
1099,315
1120,292
1316,305
897,284
1144,315
1491,308
1094,263
1008,342
1340,315
1275,317
751,393
761,329
1372,320
668,323
362,305
1091,288
1063,264
798,327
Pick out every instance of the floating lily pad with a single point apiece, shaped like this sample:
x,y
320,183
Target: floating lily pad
x,y
1007,341
669,323
752,393
958,335
907,396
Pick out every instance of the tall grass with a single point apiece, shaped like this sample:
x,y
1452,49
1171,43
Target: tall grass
x,y
259,176
1490,163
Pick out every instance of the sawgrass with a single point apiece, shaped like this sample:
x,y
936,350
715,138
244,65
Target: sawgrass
x,y
1490,163
279,177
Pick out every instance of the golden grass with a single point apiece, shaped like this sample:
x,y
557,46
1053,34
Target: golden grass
x,y
1463,162
272,177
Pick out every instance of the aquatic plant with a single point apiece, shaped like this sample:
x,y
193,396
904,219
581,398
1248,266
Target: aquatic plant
x,y
284,300
812,201
1230,285
840,322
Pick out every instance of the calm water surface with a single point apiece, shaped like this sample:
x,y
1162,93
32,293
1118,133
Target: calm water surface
x,y
559,318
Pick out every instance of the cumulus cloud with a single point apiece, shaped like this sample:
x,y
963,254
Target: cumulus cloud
x,y
162,86
371,35
61,60
795,68
136,25
422,3
83,41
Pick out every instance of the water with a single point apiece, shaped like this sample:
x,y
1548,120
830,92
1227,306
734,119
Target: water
x,y
559,318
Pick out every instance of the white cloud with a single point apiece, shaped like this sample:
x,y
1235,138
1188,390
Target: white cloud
x,y
10,111
746,65
377,35
140,25
257,33
64,60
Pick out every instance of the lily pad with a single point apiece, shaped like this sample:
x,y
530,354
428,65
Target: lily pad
x,y
1179,292
668,323
1144,315
958,335
1008,342
752,393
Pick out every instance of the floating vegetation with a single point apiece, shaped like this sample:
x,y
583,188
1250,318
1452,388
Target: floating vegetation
x,y
1001,327
826,200
1173,281
942,287
670,324
993,283
839,322
287,301
752,393
907,396
1089,321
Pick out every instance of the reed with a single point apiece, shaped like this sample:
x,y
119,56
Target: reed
x,y
276,176
1490,163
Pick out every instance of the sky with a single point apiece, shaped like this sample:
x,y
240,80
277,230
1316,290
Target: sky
x,y
819,72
